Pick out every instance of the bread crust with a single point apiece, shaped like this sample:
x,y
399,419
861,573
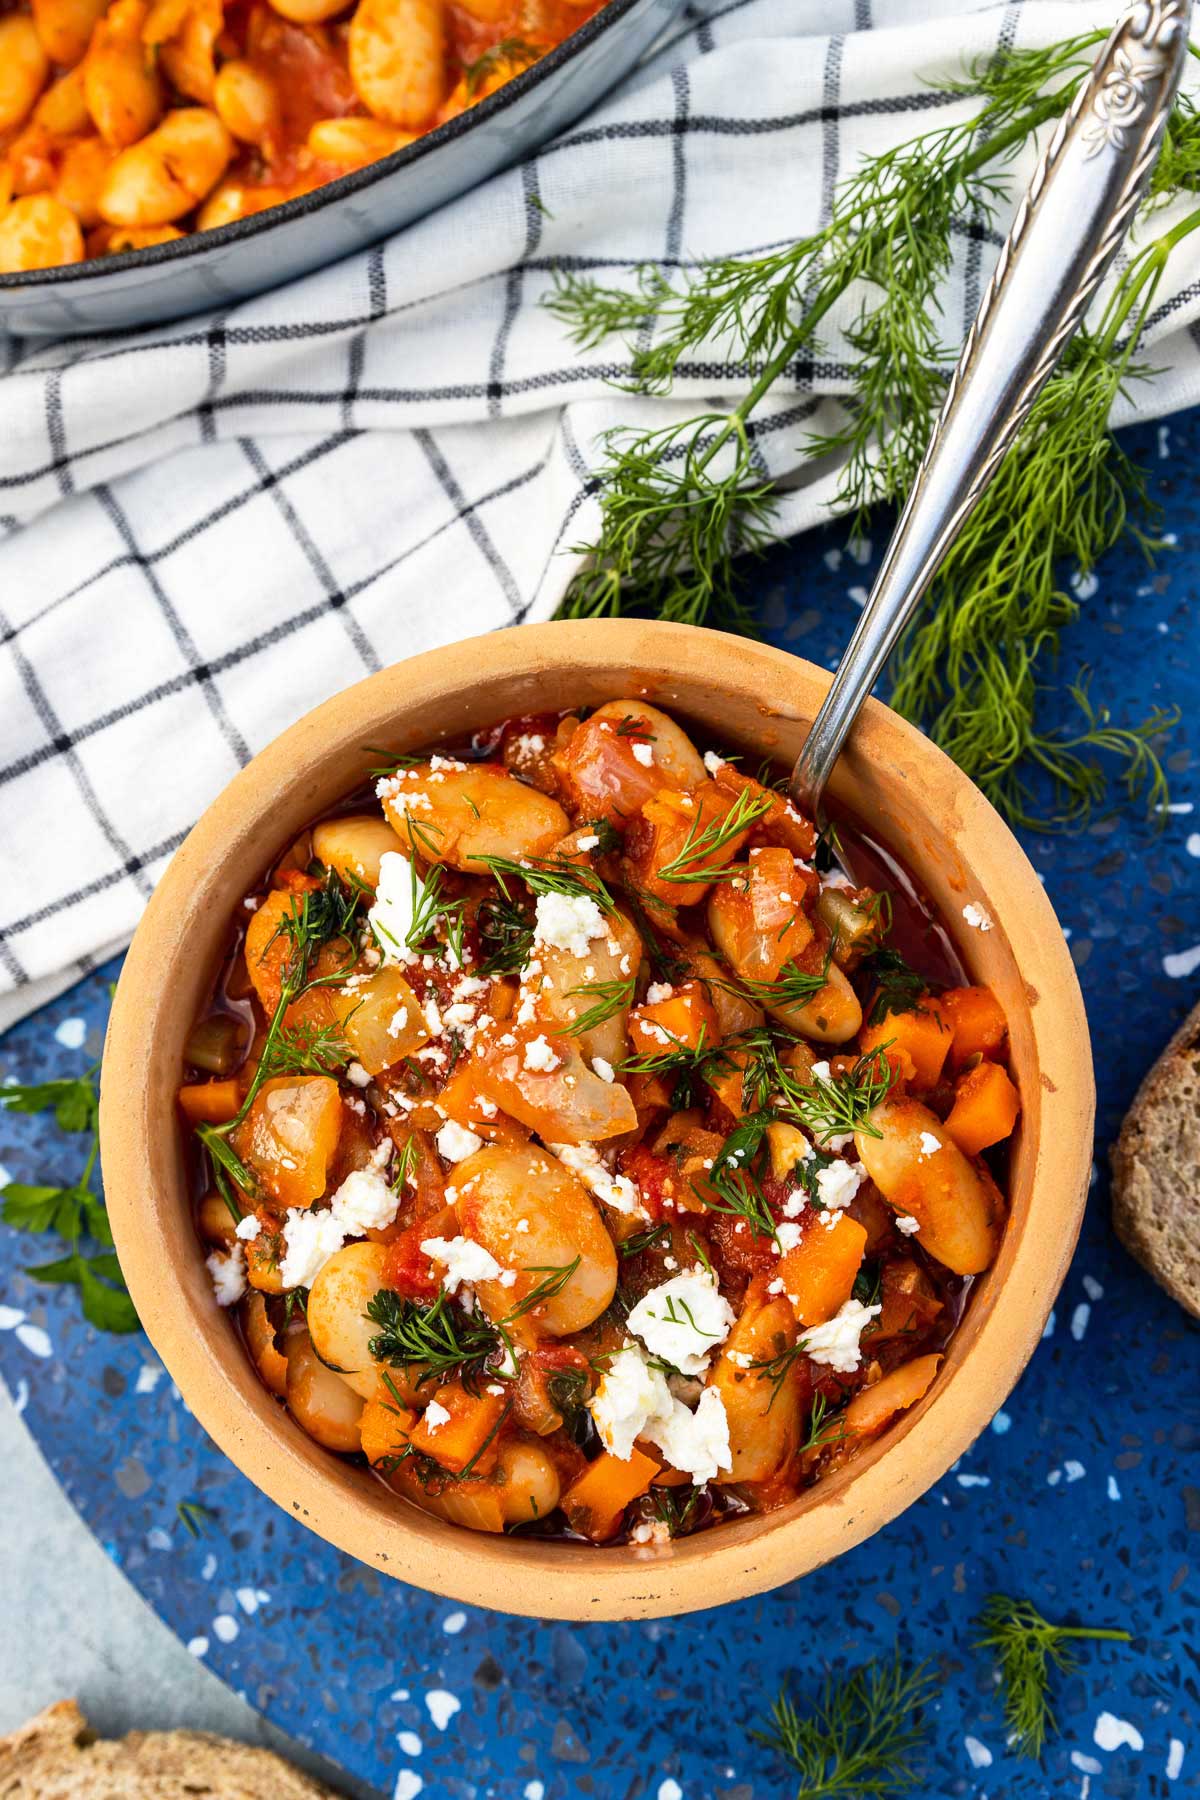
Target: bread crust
x,y
1156,1170
55,1757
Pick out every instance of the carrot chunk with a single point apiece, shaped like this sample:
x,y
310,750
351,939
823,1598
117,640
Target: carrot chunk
x,y
465,1436
210,1102
289,1136
385,1429
818,1275
923,1038
683,1022
875,1406
986,1106
977,1021
594,1506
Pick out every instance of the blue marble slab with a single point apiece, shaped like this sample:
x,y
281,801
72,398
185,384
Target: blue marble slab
x,y
1084,1494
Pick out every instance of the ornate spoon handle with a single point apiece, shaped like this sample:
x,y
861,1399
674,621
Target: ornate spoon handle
x,y
1067,230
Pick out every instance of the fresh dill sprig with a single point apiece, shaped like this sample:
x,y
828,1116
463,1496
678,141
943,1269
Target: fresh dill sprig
x,y
553,1281
436,1338
549,875
612,997
654,1237
194,1516
679,503
505,934
405,1166
307,1049
1025,1643
733,1180
843,1103
703,842
823,1427
858,1741
676,1506
899,987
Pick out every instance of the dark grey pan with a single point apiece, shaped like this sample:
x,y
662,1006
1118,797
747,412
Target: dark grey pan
x,y
213,269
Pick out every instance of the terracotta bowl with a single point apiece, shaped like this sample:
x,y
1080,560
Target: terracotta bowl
x,y
908,794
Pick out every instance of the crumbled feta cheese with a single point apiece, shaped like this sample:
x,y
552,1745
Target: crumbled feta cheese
x,y
659,990
589,842
358,1075
456,1143
836,1343
617,1191
401,799
461,1013
977,917
365,1202
651,1531
834,878
629,1396
228,1275
838,1184
527,1010
907,1224
713,762
249,1227
433,1018
436,1416
463,1260
391,916
539,1055
930,1145
310,1238
787,1237
603,1069
643,753
568,922
398,1021
695,1442
683,1320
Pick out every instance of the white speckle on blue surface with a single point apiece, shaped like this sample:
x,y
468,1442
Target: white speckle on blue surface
x,y
1067,933
1001,1423
972,1481
409,1742
1084,586
1193,843
1074,1471
198,1646
225,1626
535,1790
1054,1477
454,1622
1094,1176
1164,451
158,1539
10,1316
833,560
1181,807
5,1176
1048,1327
250,1599
1111,1733
35,1340
1079,1320
1114,1492
210,1567
1182,963
859,550
859,595
400,1694
21,1397
408,1785
71,1034
980,1755
1092,1288
442,1706
148,1378
670,1789
1175,1759
1087,1765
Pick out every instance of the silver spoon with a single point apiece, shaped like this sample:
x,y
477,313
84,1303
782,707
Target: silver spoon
x,y
1067,230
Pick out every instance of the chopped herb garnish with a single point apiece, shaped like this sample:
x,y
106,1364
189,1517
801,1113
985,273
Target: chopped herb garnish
x,y
505,935
612,997
554,1280
703,842
549,875
307,1049
860,1736
898,986
843,1103
436,1338
193,1516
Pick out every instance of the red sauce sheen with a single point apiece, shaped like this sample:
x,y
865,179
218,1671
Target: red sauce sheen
x,y
579,1145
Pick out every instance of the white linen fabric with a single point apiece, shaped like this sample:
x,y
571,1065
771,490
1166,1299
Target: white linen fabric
x,y
210,526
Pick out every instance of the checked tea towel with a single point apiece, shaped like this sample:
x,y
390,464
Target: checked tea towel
x,y
212,525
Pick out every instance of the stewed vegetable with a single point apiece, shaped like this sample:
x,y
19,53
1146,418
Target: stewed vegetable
x,y
597,1162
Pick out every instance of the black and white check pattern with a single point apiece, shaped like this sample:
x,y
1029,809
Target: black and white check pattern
x,y
210,526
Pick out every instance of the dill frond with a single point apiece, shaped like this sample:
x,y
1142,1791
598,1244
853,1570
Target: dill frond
x,y
858,1741
1025,1644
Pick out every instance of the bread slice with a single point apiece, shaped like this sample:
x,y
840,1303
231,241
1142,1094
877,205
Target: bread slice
x,y
1156,1170
55,1757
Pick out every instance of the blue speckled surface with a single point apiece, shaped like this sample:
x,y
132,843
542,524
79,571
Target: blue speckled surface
x,y
1084,1494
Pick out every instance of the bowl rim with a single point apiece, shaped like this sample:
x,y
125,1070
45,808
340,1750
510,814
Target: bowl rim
x,y
542,1578
330,193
